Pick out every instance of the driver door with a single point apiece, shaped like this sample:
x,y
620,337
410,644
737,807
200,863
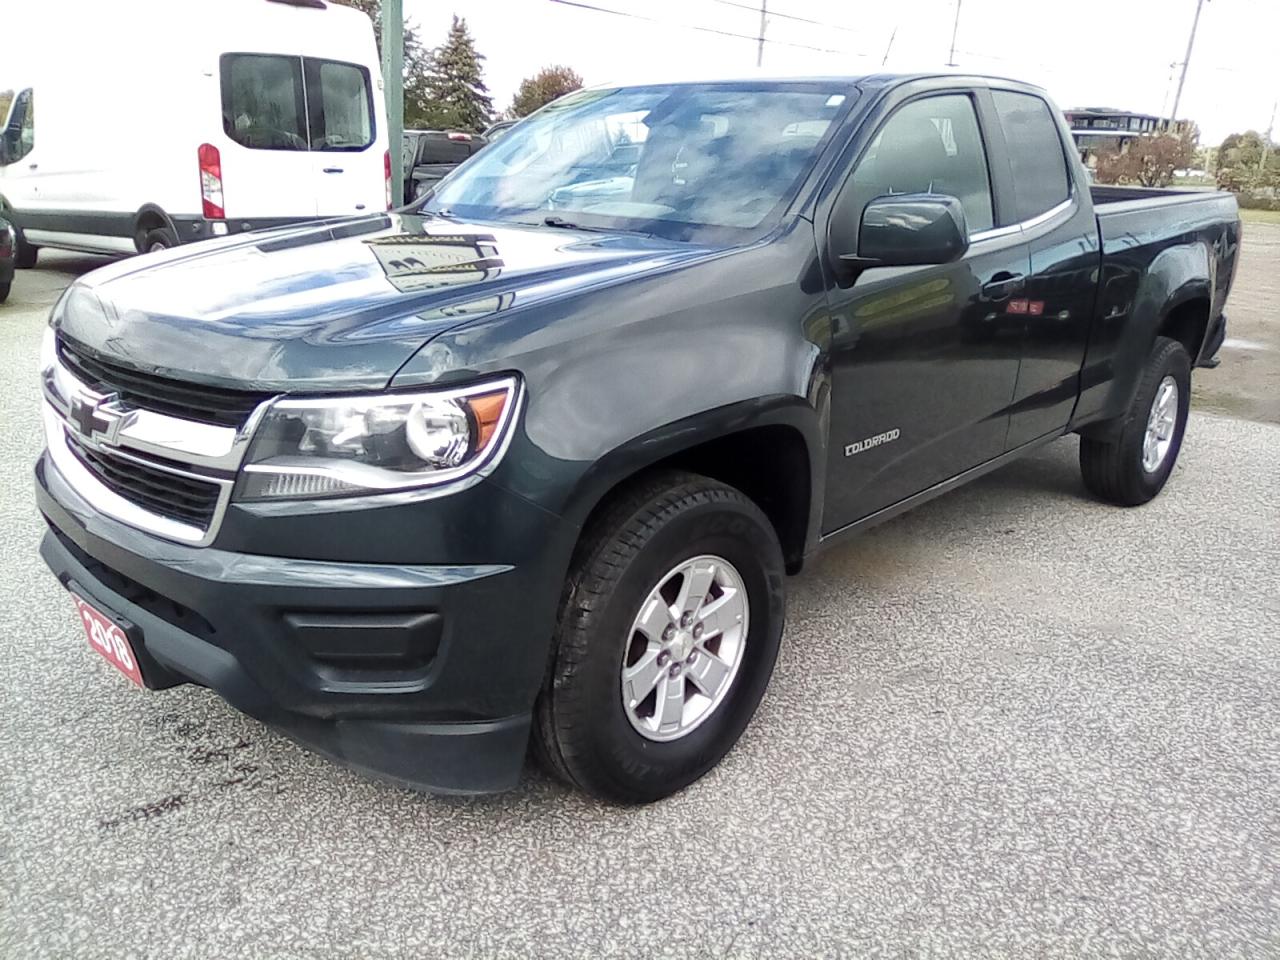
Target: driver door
x,y
924,359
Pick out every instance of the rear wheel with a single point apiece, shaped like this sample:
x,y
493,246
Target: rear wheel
x,y
4,291
161,238
666,640
1134,463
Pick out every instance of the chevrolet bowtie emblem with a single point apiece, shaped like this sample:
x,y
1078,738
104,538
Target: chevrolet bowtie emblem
x,y
98,421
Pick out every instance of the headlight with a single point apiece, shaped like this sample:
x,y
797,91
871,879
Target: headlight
x,y
346,446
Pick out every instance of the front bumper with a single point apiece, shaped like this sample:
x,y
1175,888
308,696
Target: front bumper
x,y
424,674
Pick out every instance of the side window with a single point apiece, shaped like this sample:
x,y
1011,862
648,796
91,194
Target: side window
x,y
262,103
338,105
27,133
20,134
931,145
1035,153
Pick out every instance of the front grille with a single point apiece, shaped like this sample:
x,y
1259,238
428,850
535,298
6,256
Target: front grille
x,y
217,405
182,499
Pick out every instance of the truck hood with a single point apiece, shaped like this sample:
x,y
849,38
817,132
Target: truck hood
x,y
335,305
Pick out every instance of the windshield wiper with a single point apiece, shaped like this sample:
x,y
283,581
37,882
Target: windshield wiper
x,y
563,224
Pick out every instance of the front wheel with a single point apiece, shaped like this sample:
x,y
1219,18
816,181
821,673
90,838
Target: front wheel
x,y
1133,464
4,291
26,254
666,640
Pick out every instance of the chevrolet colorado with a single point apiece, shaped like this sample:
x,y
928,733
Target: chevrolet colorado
x,y
419,488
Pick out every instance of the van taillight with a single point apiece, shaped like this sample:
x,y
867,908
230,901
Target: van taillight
x,y
386,175
211,182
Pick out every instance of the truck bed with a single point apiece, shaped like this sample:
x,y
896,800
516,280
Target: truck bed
x,y
1136,216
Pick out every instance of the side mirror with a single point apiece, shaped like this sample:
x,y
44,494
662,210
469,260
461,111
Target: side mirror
x,y
910,229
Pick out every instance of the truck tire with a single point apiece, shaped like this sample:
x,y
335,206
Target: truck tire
x,y
668,631
1133,465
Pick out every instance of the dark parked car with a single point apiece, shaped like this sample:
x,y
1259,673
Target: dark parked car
x,y
416,488
430,155
8,257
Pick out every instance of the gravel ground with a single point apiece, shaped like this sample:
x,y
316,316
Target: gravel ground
x,y
1248,382
1012,722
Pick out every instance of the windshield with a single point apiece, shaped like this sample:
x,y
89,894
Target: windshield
x,y
675,161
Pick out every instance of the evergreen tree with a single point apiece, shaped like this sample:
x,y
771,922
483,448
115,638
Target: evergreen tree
x,y
456,96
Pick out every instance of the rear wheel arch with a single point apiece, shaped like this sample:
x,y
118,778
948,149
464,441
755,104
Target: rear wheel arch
x,y
1182,315
149,219
1187,321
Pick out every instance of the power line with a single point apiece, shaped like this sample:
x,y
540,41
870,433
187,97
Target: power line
x,y
692,26
785,16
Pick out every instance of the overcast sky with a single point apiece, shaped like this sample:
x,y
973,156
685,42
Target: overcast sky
x,y
1085,52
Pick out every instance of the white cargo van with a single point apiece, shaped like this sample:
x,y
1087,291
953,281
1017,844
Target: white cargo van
x,y
143,124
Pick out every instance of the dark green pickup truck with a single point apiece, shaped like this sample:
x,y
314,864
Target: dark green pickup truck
x,y
530,460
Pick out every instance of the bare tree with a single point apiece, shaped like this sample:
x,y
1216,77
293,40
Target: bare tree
x,y
1147,161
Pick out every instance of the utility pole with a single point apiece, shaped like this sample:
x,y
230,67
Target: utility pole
x,y
951,60
1266,143
393,89
889,46
1168,87
764,9
1186,62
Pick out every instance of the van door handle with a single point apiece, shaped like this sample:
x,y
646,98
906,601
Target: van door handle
x,y
33,166
1002,286
333,170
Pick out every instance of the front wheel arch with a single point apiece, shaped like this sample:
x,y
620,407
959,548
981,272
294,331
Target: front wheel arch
x,y
769,449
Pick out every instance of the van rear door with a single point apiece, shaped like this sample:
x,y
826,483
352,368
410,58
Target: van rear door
x,y
267,168
348,169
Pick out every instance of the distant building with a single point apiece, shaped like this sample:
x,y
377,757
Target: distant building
x,y
1095,129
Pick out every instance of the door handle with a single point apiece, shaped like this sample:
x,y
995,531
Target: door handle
x,y
333,170
1003,285
33,166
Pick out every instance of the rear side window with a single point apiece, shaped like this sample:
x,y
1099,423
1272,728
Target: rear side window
x,y
262,101
440,149
339,105
1035,153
